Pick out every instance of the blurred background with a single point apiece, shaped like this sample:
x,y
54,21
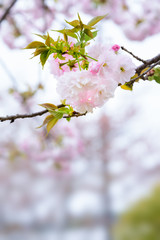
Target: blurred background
x,y
96,177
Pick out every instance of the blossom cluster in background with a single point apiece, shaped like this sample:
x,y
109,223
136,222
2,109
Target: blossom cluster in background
x,y
137,22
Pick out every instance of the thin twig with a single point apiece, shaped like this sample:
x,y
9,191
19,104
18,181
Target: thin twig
x,y
7,11
76,114
136,57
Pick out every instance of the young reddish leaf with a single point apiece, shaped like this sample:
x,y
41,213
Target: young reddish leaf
x,y
48,106
46,120
96,20
38,51
35,44
51,124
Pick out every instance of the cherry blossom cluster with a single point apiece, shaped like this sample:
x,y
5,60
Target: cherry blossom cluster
x,y
87,76
85,89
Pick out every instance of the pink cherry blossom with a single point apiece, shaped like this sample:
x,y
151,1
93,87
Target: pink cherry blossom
x,y
94,67
115,47
57,69
84,91
124,69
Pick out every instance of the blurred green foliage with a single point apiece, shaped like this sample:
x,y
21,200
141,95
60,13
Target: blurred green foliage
x,y
141,221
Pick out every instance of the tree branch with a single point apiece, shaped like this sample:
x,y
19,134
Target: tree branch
x,y
145,64
12,118
144,73
7,11
149,62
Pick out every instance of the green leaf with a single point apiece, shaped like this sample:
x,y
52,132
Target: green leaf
x,y
150,78
88,27
35,44
155,75
157,79
48,42
63,101
80,21
42,36
76,29
65,37
64,110
44,56
57,114
78,44
157,70
74,23
71,33
68,119
88,33
87,38
96,20
51,124
68,32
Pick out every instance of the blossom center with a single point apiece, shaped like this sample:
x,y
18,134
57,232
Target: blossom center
x,y
122,69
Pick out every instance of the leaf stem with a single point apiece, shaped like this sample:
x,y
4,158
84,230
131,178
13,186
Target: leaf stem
x,y
91,58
